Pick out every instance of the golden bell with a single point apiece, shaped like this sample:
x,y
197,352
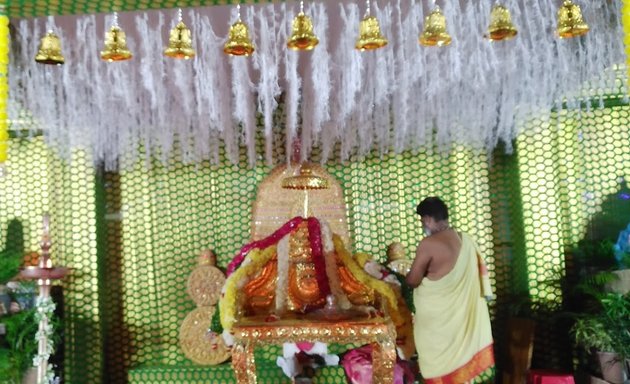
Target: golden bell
x,y
50,50
115,45
180,43
434,32
306,179
370,35
501,27
302,38
239,43
570,22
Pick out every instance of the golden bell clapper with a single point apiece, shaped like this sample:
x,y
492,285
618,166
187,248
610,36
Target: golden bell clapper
x,y
434,33
49,51
302,36
370,36
238,42
180,41
115,44
570,21
501,27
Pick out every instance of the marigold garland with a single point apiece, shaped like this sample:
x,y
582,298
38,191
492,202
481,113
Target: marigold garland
x,y
625,19
4,87
331,268
254,261
379,286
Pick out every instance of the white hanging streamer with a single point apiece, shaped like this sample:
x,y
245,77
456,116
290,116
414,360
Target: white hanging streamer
x,y
400,97
294,85
243,98
266,62
317,87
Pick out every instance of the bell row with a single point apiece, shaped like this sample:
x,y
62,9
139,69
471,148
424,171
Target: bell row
x,y
435,33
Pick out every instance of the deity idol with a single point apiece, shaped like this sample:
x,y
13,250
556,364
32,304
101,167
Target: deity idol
x,y
292,271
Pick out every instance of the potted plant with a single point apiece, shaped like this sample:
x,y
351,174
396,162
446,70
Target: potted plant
x,y
606,333
18,325
19,347
10,261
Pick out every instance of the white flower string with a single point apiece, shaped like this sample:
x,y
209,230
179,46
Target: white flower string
x,y
282,285
45,307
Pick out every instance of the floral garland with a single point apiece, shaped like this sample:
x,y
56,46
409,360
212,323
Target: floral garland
x,y
331,268
379,286
255,260
315,239
263,243
45,309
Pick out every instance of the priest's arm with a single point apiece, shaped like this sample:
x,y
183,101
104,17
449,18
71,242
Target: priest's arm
x,y
419,267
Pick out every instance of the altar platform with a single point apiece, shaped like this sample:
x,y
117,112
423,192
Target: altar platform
x,y
250,333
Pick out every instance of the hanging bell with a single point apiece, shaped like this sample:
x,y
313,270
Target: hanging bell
x,y
180,43
501,27
434,32
302,38
50,50
115,45
370,37
239,43
570,22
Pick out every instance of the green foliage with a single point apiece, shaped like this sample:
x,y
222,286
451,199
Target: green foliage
x,y
11,255
607,328
591,333
406,290
596,255
215,323
593,285
19,347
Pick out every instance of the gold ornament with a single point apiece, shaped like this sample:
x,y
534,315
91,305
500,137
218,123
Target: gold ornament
x,y
205,283
302,38
434,32
501,27
50,50
570,21
180,43
198,343
305,180
370,36
239,43
115,45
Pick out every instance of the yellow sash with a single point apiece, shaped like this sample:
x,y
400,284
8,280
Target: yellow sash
x,y
452,324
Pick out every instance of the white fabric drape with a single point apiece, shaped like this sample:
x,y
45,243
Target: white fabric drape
x,y
342,101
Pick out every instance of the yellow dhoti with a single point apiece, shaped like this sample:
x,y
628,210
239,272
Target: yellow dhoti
x,y
452,324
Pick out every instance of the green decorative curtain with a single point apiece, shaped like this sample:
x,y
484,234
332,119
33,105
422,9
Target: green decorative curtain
x,y
132,238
